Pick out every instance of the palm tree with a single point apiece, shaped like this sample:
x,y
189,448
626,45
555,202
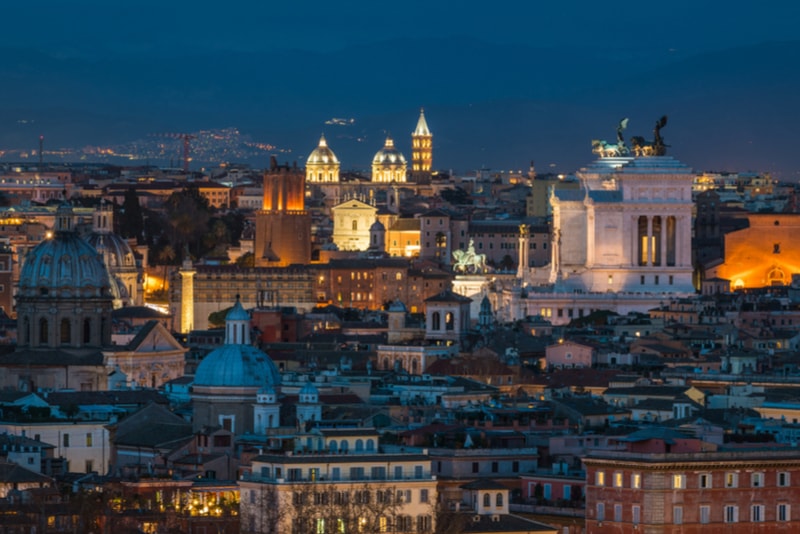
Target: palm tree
x,y
165,256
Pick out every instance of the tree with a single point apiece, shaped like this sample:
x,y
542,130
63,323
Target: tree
x,y
166,256
131,221
188,216
217,318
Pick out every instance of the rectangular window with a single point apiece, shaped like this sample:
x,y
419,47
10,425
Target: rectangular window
x,y
398,471
641,280
636,514
65,440
705,481
705,515
757,480
731,480
378,473
677,515
474,467
89,466
601,511
678,481
636,481
618,513
423,495
671,279
495,467
356,473
656,279
417,471
784,512
88,439
731,514
336,473
515,467
783,479
600,478
757,513
617,480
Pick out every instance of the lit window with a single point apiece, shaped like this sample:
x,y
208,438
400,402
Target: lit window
x,y
617,480
636,481
678,481
731,480
600,478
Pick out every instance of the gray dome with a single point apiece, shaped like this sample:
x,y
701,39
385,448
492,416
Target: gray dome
x,y
115,251
237,366
377,226
309,389
64,265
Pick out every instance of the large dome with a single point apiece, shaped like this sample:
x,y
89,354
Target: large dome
x,y
322,155
389,155
237,366
64,265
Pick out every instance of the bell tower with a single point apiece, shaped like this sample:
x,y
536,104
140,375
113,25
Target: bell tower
x,y
421,151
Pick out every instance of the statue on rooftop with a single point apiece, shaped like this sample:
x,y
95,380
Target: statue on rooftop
x,y
654,148
607,150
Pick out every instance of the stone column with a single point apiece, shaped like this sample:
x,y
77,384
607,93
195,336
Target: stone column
x,y
649,241
187,273
664,238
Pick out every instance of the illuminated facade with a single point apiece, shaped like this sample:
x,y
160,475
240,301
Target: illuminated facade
x,y
421,151
764,254
628,229
283,226
322,166
389,165
352,220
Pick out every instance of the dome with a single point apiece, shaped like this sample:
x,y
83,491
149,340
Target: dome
x,y
116,251
322,155
237,366
309,389
377,226
389,155
64,265
397,306
237,313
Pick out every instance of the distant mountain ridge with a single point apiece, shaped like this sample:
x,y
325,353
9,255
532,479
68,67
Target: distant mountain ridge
x,y
497,106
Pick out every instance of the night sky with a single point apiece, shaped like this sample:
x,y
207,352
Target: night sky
x,y
494,105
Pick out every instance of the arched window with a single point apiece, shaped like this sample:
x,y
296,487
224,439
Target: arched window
x,y
498,500
359,445
370,445
333,446
487,500
345,445
87,331
449,321
355,225
436,321
43,326
66,331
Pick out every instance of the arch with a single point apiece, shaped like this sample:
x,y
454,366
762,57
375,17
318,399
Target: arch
x,y
487,500
449,321
345,445
498,500
87,331
43,327
359,445
333,446
355,225
436,321
370,444
776,277
65,331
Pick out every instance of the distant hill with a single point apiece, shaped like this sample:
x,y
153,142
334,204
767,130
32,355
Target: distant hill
x,y
488,105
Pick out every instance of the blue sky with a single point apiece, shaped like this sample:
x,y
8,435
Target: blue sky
x,y
172,27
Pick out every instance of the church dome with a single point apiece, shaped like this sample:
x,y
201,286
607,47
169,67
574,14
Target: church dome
x,y
322,155
389,155
237,366
237,363
116,251
64,265
377,226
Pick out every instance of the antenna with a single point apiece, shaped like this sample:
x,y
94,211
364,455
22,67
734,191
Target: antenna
x,y
41,151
